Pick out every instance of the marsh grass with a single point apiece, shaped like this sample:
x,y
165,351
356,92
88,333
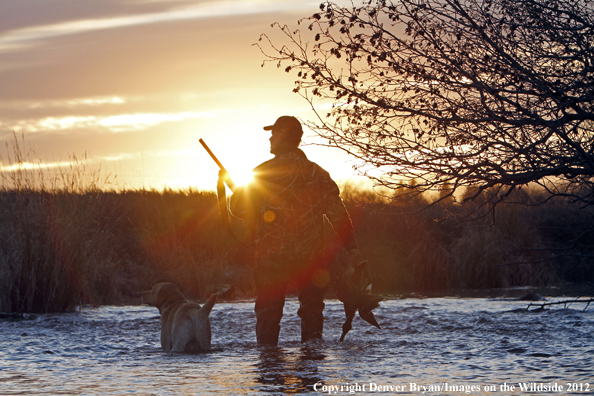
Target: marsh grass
x,y
66,241
413,248
56,234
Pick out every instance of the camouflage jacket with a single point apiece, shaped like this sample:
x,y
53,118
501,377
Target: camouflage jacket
x,y
285,205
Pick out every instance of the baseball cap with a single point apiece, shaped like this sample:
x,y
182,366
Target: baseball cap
x,y
288,124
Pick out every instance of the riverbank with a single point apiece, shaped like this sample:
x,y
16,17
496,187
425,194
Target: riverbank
x,y
59,250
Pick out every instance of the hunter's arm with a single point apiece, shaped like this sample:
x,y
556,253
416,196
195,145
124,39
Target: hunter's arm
x,y
337,213
237,202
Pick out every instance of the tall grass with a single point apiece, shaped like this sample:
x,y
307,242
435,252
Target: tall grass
x,y
417,249
59,250
56,235
66,242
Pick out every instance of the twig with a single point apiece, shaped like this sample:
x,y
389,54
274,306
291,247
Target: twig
x,y
542,305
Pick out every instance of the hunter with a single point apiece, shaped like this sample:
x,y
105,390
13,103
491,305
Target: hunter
x,y
284,209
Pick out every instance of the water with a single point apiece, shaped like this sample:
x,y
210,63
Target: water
x,y
460,345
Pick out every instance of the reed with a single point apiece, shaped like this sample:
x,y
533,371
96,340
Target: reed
x,y
412,249
55,234
66,242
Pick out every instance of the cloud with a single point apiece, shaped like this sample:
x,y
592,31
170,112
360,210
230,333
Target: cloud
x,y
19,38
63,103
148,154
126,122
27,165
113,123
39,164
87,102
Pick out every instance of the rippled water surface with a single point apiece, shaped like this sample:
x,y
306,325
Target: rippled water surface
x,y
447,345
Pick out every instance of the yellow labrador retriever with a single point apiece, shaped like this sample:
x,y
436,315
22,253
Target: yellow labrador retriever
x,y
185,326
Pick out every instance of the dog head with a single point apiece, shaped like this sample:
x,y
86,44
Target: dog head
x,y
162,294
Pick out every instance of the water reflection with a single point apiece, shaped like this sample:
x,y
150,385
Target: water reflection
x,y
470,342
289,371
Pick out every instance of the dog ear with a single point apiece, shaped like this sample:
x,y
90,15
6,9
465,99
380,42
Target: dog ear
x,y
168,293
163,294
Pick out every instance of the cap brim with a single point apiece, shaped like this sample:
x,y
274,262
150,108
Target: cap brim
x,y
269,128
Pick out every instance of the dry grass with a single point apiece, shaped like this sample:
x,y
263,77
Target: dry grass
x,y
59,250
65,242
419,251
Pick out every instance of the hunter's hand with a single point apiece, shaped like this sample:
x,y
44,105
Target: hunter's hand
x,y
223,175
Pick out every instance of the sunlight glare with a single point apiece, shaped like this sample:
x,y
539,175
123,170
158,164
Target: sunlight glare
x,y
242,177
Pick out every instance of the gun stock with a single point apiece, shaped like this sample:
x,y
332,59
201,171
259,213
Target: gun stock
x,y
227,179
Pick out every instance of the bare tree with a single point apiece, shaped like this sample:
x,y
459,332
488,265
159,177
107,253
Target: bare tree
x,y
478,95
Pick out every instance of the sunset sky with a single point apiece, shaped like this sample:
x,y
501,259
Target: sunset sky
x,y
133,85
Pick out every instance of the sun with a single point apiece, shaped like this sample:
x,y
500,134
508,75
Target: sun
x,y
241,177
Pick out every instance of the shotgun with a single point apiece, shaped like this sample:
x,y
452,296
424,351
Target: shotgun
x,y
221,194
227,177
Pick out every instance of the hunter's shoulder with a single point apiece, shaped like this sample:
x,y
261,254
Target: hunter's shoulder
x,y
321,172
317,171
274,162
264,165
292,163
294,156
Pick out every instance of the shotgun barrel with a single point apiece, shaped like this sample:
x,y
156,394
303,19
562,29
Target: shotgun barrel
x,y
227,179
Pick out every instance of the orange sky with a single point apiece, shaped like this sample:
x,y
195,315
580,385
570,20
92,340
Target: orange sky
x,y
135,83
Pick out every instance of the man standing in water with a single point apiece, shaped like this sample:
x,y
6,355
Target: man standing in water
x,y
284,209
